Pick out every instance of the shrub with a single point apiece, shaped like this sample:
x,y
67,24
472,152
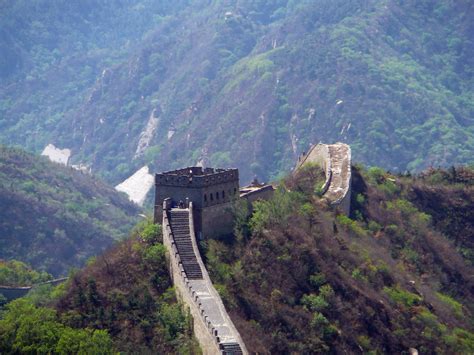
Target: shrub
x,y
317,280
455,305
314,303
358,275
374,226
25,328
351,225
461,341
364,342
375,175
276,211
399,296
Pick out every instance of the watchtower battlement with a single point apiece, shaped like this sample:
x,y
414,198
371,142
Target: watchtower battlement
x,y
196,177
211,191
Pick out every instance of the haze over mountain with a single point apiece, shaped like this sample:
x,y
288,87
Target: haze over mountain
x,y
54,217
238,83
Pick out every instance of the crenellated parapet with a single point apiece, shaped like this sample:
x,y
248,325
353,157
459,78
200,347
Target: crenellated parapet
x,y
196,177
212,192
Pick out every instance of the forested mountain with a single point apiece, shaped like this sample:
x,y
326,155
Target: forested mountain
x,y
244,83
54,217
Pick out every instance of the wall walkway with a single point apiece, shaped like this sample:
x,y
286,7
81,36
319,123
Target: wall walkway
x,y
212,325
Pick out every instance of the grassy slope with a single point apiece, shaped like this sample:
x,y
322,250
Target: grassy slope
x,y
55,217
304,279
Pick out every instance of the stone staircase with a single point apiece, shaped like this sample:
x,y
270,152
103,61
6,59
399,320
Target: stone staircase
x,y
179,222
212,325
231,349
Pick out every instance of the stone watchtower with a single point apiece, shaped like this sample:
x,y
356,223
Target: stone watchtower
x,y
211,191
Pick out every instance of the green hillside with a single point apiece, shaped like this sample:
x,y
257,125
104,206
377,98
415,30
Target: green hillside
x,y
248,84
54,217
297,277
122,302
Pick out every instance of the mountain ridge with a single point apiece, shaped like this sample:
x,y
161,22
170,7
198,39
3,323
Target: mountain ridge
x,y
253,85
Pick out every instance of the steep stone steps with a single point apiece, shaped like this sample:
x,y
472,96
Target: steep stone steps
x,y
179,223
231,349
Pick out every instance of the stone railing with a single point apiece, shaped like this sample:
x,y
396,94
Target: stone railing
x,y
335,159
213,327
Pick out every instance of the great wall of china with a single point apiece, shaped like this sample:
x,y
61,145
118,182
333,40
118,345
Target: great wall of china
x,y
335,159
213,327
212,192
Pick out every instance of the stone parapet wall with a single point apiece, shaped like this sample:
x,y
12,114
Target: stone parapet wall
x,y
345,171
200,296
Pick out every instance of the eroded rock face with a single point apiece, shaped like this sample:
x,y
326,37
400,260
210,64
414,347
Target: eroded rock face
x,y
60,156
147,134
137,185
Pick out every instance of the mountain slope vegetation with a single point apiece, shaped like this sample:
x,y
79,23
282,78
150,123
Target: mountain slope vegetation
x,y
242,83
301,278
54,217
121,302
297,276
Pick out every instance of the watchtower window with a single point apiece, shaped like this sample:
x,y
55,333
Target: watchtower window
x,y
212,197
217,195
223,194
205,197
235,190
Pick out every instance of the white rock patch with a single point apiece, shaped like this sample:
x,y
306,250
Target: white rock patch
x,y
137,185
57,155
147,135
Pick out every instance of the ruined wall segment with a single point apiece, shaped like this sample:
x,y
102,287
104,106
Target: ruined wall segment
x,y
335,160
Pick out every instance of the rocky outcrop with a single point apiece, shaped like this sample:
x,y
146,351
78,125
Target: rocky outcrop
x,y
212,325
137,186
60,156
335,159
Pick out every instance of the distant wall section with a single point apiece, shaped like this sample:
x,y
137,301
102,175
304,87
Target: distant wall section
x,y
335,160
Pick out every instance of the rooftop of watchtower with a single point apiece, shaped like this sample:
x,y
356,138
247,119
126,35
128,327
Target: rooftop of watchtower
x,y
195,171
197,177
